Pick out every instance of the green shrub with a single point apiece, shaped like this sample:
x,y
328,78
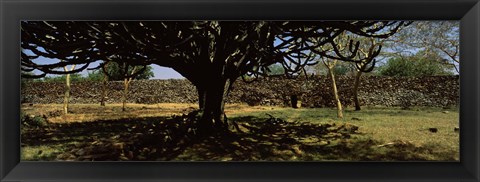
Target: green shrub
x,y
416,65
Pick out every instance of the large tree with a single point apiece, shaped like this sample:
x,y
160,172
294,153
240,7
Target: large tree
x,y
210,54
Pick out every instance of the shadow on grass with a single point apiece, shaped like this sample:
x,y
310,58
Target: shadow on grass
x,y
174,138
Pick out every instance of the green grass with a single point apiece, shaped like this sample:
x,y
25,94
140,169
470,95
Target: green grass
x,y
41,153
387,126
384,134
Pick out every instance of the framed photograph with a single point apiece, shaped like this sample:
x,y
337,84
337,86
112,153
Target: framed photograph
x,y
239,90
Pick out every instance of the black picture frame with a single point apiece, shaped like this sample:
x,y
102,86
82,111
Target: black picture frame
x,y
12,12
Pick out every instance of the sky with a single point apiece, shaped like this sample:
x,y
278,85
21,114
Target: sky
x,y
158,71
165,73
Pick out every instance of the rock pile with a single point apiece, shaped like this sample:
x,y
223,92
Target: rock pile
x,y
438,91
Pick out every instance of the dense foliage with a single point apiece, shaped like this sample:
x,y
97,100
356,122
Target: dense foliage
x,y
421,64
115,73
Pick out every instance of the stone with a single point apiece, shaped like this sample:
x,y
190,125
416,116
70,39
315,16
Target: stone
x,y
429,91
456,129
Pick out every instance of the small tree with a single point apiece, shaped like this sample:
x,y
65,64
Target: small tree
x,y
99,75
67,89
127,78
369,50
116,72
364,61
341,44
330,64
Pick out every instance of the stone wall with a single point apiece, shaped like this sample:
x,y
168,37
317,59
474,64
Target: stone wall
x,y
439,91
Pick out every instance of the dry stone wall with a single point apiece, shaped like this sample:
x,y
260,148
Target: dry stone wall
x,y
438,91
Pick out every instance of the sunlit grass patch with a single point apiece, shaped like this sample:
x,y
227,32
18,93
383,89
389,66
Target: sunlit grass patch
x,y
388,125
41,153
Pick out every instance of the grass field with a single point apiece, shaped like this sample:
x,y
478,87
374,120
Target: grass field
x,y
384,134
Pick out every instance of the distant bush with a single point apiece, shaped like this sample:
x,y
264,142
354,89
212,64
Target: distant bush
x,y
61,78
416,65
115,73
97,75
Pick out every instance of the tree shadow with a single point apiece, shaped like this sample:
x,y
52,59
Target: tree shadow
x,y
175,138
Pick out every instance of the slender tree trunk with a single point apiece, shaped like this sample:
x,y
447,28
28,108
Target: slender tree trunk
x,y
67,94
355,91
104,89
335,92
66,97
126,83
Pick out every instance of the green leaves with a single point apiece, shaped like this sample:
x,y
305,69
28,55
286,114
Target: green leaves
x,y
421,64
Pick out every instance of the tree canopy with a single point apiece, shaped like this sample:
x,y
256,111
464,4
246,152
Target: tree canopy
x,y
433,38
210,54
184,45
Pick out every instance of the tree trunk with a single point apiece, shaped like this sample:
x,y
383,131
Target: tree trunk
x,y
67,94
294,101
67,89
104,89
126,82
355,91
335,92
201,97
212,107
